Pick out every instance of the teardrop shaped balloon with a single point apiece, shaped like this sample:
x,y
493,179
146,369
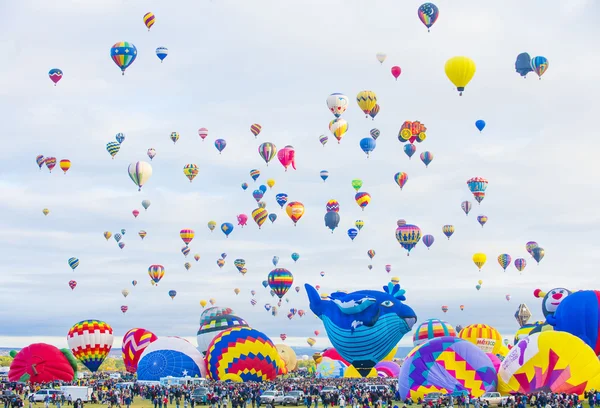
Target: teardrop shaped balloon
x,y
123,54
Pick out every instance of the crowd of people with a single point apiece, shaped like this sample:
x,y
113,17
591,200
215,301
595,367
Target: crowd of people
x,y
311,392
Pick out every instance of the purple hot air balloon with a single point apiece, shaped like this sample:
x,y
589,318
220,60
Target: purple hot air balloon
x,y
428,240
408,236
220,144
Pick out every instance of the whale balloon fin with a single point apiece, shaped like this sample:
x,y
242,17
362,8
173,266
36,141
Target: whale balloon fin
x,y
314,299
395,291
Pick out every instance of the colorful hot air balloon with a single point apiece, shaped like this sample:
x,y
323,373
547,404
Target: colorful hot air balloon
x,y
371,253
282,199
190,171
65,164
255,129
121,245
428,240
142,234
146,204
220,144
227,228
161,53
259,215
337,104
73,263
46,211
280,280
203,133
149,20
479,260
401,178
72,284
90,342
172,294
374,111
366,101
410,149
408,236
520,264
134,343
123,54
324,175
50,163
466,206
140,173
185,250
55,75
113,148
295,210
156,272
267,151
362,199
428,14
530,246
504,261
311,342
338,127
539,65
426,158
187,235
287,156
40,160
174,137
107,235
460,71
482,219
477,186
323,139
448,230
381,56
359,224
396,71
538,253
352,233
375,133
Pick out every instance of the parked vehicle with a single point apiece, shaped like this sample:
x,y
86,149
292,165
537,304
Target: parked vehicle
x,y
272,397
200,395
295,397
433,397
40,395
494,398
326,390
82,393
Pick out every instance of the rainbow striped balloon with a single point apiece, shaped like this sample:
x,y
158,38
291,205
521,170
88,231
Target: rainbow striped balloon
x,y
123,54
280,281
90,341
243,354
431,329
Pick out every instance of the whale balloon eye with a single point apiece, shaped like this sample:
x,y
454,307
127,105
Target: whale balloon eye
x,y
387,303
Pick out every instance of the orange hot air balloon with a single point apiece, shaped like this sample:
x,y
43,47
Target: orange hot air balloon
x,y
295,210
65,164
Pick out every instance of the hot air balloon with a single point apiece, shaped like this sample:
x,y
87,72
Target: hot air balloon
x,y
149,20
254,173
190,171
280,280
156,272
538,253
311,342
142,234
359,224
220,144
323,139
203,133
520,264
332,206
124,292
357,184
332,220
539,65
227,228
428,240
448,230
428,14
73,263
65,164
40,160
134,343
121,245
460,71
55,75
466,206
123,54
270,183
401,178
295,256
203,303
477,186
50,163
295,210
426,158
396,71
174,137
140,173
367,145
287,156
362,199
172,294
275,261
113,148
479,260
267,151
255,129
482,219
90,342
375,133
118,237
381,56
242,220
504,261
338,127
352,233
46,211
161,53
187,235
374,111
324,175
529,246
107,235
408,236
409,150
135,213
444,309
187,266
337,104
259,215
146,204
72,284
480,125
212,225
366,101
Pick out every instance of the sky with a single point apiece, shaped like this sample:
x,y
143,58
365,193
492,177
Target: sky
x,y
234,63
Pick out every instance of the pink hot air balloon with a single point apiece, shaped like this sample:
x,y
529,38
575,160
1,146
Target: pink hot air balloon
x,y
203,132
287,156
242,219
135,213
124,309
396,71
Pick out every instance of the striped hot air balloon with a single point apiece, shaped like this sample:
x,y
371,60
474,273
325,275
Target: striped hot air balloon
x,y
280,280
90,342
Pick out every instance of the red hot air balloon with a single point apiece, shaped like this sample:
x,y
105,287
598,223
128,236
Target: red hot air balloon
x,y
283,336
135,213
396,71
135,342
124,309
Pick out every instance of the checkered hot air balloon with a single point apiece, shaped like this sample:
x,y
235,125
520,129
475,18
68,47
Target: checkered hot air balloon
x,y
90,342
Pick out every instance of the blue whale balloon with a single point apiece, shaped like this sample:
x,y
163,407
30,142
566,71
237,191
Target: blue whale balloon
x,y
364,326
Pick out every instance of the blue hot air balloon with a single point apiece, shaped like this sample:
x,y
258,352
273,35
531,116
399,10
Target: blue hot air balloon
x,y
295,256
227,228
352,233
263,188
523,64
275,260
324,174
282,199
120,137
480,124
332,220
161,53
265,283
220,144
539,65
244,186
272,217
410,149
368,144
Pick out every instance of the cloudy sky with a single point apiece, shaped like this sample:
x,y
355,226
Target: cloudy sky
x,y
234,63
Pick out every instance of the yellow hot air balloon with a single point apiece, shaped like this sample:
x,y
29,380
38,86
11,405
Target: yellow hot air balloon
x,y
107,235
203,303
237,291
460,71
366,101
311,342
212,225
480,282
479,260
46,211
295,210
270,183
